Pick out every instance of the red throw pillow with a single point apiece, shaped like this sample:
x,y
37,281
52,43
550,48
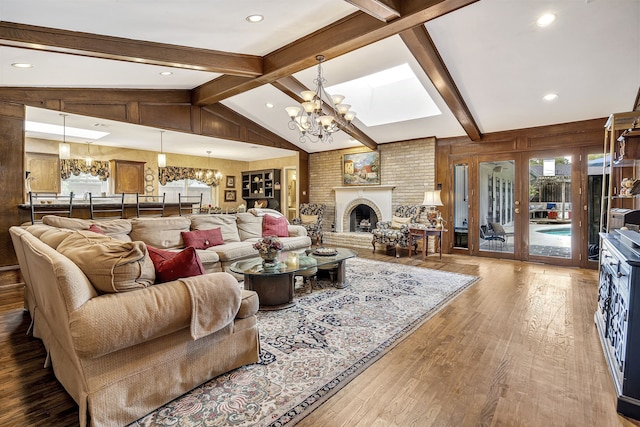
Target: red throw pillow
x,y
175,265
202,239
96,229
274,226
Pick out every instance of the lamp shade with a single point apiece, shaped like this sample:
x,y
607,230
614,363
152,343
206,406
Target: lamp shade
x,y
162,160
432,198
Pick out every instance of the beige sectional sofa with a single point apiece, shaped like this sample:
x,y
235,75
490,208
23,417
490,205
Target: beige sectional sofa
x,y
123,353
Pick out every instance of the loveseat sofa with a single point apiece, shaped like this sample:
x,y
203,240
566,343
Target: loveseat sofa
x,y
120,344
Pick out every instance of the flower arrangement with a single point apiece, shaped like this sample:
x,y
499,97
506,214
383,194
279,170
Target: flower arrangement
x,y
268,244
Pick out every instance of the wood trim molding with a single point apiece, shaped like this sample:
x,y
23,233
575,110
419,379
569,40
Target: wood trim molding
x,y
346,35
122,49
292,87
424,50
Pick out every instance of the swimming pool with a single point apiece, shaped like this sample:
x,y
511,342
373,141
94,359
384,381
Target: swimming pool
x,y
564,231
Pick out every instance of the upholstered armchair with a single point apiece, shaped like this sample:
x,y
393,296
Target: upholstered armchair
x,y
396,232
311,217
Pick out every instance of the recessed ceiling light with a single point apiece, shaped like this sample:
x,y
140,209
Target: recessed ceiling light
x,y
166,73
269,105
550,97
546,20
21,65
254,18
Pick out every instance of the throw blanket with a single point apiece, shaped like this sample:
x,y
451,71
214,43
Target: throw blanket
x,y
214,303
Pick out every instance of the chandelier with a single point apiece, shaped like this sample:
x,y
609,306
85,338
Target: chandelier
x,y
320,115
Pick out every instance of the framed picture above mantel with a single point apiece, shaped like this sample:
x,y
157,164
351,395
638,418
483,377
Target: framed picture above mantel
x,y
361,168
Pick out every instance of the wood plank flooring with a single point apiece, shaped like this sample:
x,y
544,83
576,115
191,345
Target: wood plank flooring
x,y
519,348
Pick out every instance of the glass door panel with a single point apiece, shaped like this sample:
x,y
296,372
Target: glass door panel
x,y
595,160
461,206
496,216
550,207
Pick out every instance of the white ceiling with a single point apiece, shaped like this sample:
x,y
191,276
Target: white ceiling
x,y
500,60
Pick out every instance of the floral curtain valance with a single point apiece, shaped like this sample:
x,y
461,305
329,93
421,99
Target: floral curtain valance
x,y
209,177
70,167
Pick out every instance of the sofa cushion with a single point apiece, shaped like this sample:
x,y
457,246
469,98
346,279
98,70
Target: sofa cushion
x,y
249,225
162,233
397,222
309,219
202,239
110,264
234,251
175,265
272,226
54,236
116,228
227,223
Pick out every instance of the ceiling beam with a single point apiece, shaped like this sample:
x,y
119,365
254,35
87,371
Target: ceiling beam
x,y
346,35
384,10
292,87
122,49
421,46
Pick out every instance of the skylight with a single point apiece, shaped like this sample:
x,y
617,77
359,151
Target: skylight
x,y
389,96
59,130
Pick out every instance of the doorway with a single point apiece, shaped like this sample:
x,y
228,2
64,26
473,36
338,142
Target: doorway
x,y
290,197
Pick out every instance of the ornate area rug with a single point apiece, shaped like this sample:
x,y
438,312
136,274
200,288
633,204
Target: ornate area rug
x,y
311,350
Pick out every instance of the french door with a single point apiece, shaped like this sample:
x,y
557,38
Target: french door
x,y
538,206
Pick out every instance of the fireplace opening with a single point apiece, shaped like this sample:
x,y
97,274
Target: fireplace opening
x,y
362,219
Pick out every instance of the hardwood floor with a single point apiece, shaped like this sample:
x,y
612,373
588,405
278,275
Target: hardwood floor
x,y
519,348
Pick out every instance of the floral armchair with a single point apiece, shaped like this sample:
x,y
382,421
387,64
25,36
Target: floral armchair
x,y
396,232
311,217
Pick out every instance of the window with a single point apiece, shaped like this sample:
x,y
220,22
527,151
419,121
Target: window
x,y
83,184
189,187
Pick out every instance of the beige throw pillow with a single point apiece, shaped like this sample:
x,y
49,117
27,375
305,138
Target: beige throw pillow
x,y
309,219
397,222
110,265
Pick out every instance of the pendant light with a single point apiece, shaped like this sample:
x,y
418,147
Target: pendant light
x,y
162,158
64,149
88,160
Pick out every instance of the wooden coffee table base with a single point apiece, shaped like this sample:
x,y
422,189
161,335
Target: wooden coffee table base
x,y
275,292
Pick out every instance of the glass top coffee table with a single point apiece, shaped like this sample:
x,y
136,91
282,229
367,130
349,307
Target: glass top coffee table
x,y
275,286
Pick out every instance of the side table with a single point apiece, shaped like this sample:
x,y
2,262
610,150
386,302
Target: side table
x,y
424,233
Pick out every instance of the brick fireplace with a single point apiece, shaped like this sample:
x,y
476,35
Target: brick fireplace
x,y
378,198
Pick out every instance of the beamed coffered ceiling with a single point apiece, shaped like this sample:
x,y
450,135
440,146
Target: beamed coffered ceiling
x,y
486,64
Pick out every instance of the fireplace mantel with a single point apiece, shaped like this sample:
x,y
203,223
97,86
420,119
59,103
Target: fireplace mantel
x,y
378,195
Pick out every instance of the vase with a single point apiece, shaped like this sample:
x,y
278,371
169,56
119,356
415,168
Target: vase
x,y
269,257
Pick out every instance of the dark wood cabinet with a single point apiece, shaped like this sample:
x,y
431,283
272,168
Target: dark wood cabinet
x,y
262,186
617,317
127,176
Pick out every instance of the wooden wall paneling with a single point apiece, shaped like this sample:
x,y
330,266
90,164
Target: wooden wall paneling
x,y
213,123
166,116
303,177
113,111
11,175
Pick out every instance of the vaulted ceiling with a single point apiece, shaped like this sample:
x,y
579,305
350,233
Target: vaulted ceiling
x,y
486,64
